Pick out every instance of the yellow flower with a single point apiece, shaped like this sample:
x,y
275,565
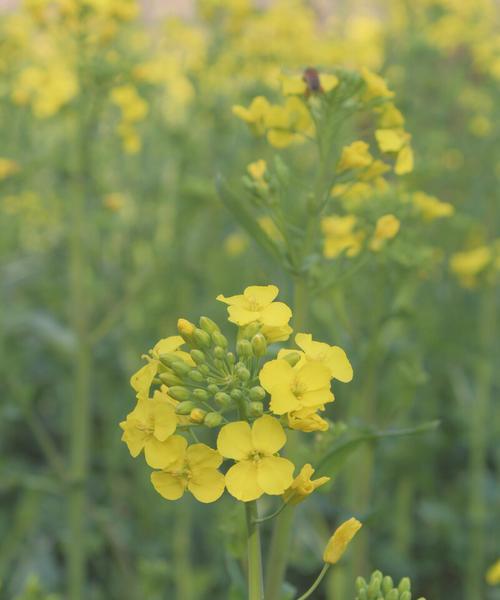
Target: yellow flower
x,y
193,468
255,115
493,573
397,140
306,420
431,208
171,345
467,265
375,86
374,171
307,386
386,228
289,123
339,541
328,81
256,305
149,427
340,236
333,357
235,244
390,117
141,380
257,470
303,486
355,156
405,161
7,168
256,170
293,85
133,107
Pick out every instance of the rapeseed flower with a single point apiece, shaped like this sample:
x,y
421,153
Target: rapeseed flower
x,y
375,86
431,208
355,156
493,574
306,420
303,486
340,236
258,470
469,264
340,539
255,115
386,228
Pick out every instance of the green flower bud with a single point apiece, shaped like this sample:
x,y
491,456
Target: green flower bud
x,y
219,339
157,381
249,331
197,415
374,587
184,408
195,375
236,395
213,419
255,409
202,338
244,348
230,358
257,393
292,358
360,583
179,393
168,378
212,388
180,368
219,352
219,364
208,325
387,584
392,595
243,374
201,395
222,399
168,359
185,329
404,585
259,344
205,369
198,356
405,596
362,595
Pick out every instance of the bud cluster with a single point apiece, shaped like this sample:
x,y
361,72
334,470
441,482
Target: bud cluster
x,y
212,379
383,588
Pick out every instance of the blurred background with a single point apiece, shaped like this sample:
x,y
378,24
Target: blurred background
x,y
115,118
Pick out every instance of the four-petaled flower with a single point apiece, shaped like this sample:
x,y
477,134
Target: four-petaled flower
x,y
193,468
303,486
257,470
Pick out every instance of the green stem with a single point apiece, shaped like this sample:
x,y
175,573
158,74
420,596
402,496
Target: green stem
x,y
319,579
278,553
300,300
255,578
182,536
272,515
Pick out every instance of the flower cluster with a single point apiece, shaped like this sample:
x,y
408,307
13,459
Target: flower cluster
x,y
383,588
193,380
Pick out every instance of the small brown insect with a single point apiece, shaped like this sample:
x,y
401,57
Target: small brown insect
x,y
311,78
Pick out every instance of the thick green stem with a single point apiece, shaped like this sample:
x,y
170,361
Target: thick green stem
x,y
300,307
477,510
278,553
255,578
182,538
315,585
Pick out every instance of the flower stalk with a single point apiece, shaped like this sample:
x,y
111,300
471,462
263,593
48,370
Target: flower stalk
x,y
255,576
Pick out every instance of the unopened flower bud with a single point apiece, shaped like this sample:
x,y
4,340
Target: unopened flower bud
x,y
259,344
257,393
360,583
202,338
205,369
185,329
213,419
168,359
180,368
219,339
208,325
212,388
219,364
392,595
196,375
249,330
219,352
362,595
244,348
255,409
197,415
374,588
387,584
230,358
236,395
198,356
222,399
404,585
179,393
184,408
406,596
243,374
201,395
169,378
292,358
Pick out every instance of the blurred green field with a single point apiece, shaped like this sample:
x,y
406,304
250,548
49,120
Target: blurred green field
x,y
114,134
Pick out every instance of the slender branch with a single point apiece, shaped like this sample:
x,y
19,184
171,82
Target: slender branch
x,y
314,586
255,577
272,515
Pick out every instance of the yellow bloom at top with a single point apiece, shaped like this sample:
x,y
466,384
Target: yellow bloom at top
x,y
303,486
333,357
376,86
468,264
149,427
289,123
355,156
295,388
194,469
256,305
255,114
386,228
339,541
257,470
430,207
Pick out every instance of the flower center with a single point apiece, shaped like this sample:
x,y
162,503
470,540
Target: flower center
x,y
254,456
298,388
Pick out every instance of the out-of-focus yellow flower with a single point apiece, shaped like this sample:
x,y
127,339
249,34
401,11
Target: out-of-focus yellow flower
x,y
306,420
355,156
430,207
303,486
288,124
114,201
340,236
493,574
256,304
293,85
480,126
469,264
133,107
258,470
386,228
375,86
374,171
291,389
8,167
398,141
390,116
270,228
195,469
235,244
339,541
257,170
255,115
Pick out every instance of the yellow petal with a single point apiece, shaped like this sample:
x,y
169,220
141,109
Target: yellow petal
x,y
238,299
314,376
339,365
168,344
274,474
276,334
241,481
207,485
168,486
404,162
142,379
201,456
160,455
235,440
133,437
281,139
391,140
268,435
165,419
328,81
283,400
292,85
340,540
276,373
261,295
241,316
276,314
316,398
